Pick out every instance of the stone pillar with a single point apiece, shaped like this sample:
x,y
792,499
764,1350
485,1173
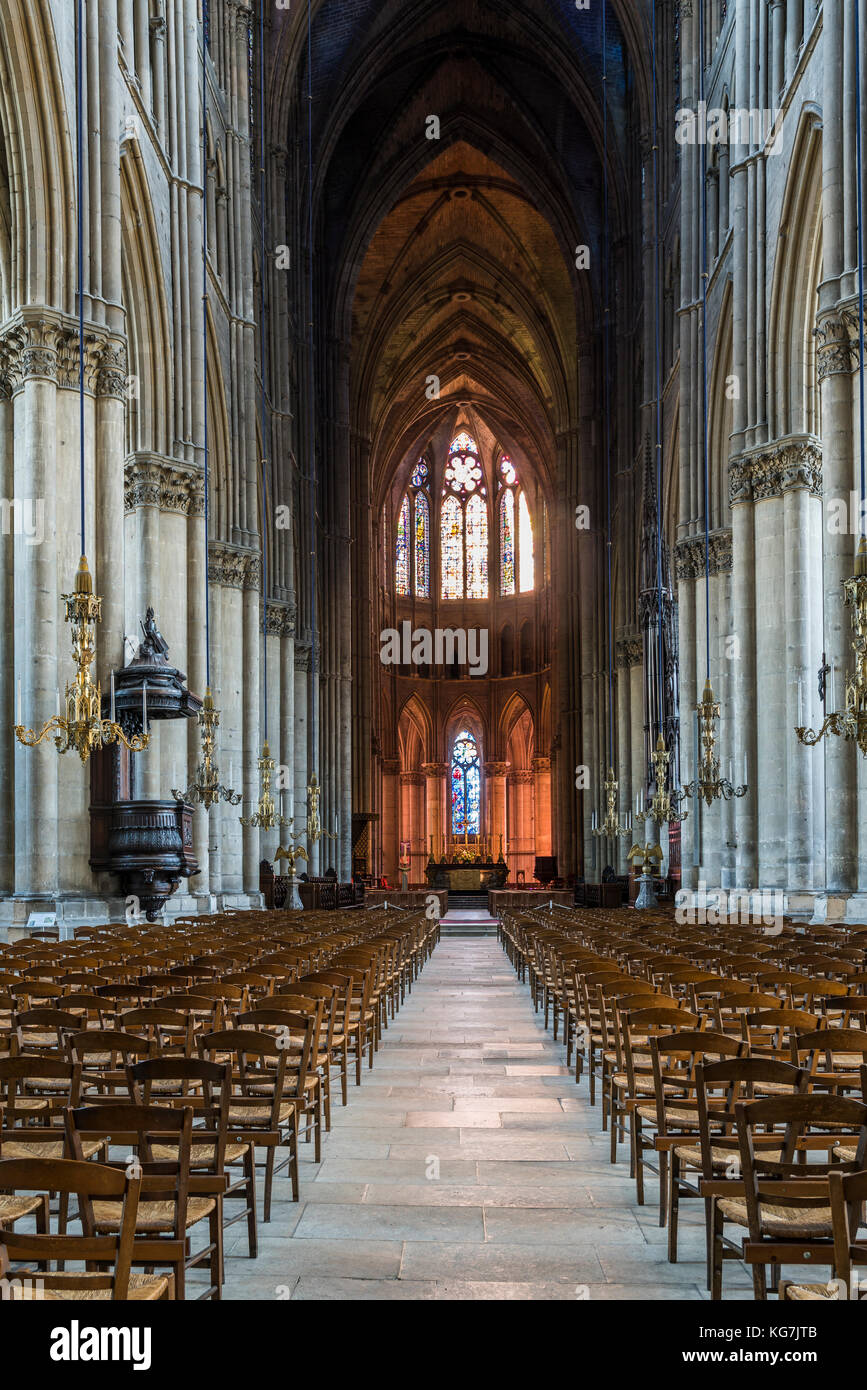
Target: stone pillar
x,y
40,633
521,784
542,774
495,782
302,670
436,814
800,568
390,818
248,773
835,378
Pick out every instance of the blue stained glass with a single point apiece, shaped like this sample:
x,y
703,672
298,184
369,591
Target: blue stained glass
x,y
466,786
401,556
419,477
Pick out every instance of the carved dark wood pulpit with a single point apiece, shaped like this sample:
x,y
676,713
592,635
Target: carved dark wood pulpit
x,y
148,843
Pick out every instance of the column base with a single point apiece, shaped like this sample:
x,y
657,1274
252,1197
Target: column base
x,y
646,896
830,908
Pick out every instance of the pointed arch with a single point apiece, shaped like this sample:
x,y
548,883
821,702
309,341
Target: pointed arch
x,y
149,415
793,394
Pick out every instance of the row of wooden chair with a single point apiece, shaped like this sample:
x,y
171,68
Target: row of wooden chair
x,y
733,1078
157,1095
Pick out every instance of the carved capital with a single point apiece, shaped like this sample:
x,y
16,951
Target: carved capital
x,y
630,652
227,566
496,769
836,351
781,467
435,769
541,765
150,481
689,556
281,619
523,777
412,779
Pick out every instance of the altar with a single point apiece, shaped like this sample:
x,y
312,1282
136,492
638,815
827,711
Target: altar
x,y
461,876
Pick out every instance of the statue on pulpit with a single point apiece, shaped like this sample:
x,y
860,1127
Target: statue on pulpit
x,y
154,649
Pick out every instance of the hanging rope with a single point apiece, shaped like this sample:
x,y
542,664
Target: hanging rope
x,y
860,212
262,350
658,371
205,30
606,371
311,460
705,408
79,133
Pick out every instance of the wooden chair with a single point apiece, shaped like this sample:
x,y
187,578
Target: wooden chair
x,y
785,1205
93,1184
171,1203
204,1088
264,1102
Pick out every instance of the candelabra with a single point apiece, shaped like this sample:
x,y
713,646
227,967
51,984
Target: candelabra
x,y
850,723
265,817
206,788
661,809
610,828
315,833
83,727
708,784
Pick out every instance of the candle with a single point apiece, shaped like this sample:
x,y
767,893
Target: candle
x,y
746,770
112,697
20,720
800,703
144,708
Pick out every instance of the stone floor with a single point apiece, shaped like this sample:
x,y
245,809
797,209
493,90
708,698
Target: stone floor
x,y
468,1165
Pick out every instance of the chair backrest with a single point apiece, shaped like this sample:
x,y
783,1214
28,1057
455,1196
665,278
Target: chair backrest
x,y
139,1127
89,1182
776,1177
195,1084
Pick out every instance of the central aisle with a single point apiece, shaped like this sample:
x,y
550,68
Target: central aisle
x,y
468,1165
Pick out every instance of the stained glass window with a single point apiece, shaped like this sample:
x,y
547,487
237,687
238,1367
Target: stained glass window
x,y
507,542
525,546
452,545
477,548
401,578
466,786
463,444
422,545
516,549
464,522
412,551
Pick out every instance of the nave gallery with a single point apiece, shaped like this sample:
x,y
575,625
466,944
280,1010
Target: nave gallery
x,y
433,702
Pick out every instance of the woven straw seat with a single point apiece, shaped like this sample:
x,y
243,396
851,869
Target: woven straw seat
x,y
721,1158
199,1153
845,1154
13,1208
673,1115
143,1288
32,1104
15,1149
152,1216
796,1223
813,1293
256,1114
643,1084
